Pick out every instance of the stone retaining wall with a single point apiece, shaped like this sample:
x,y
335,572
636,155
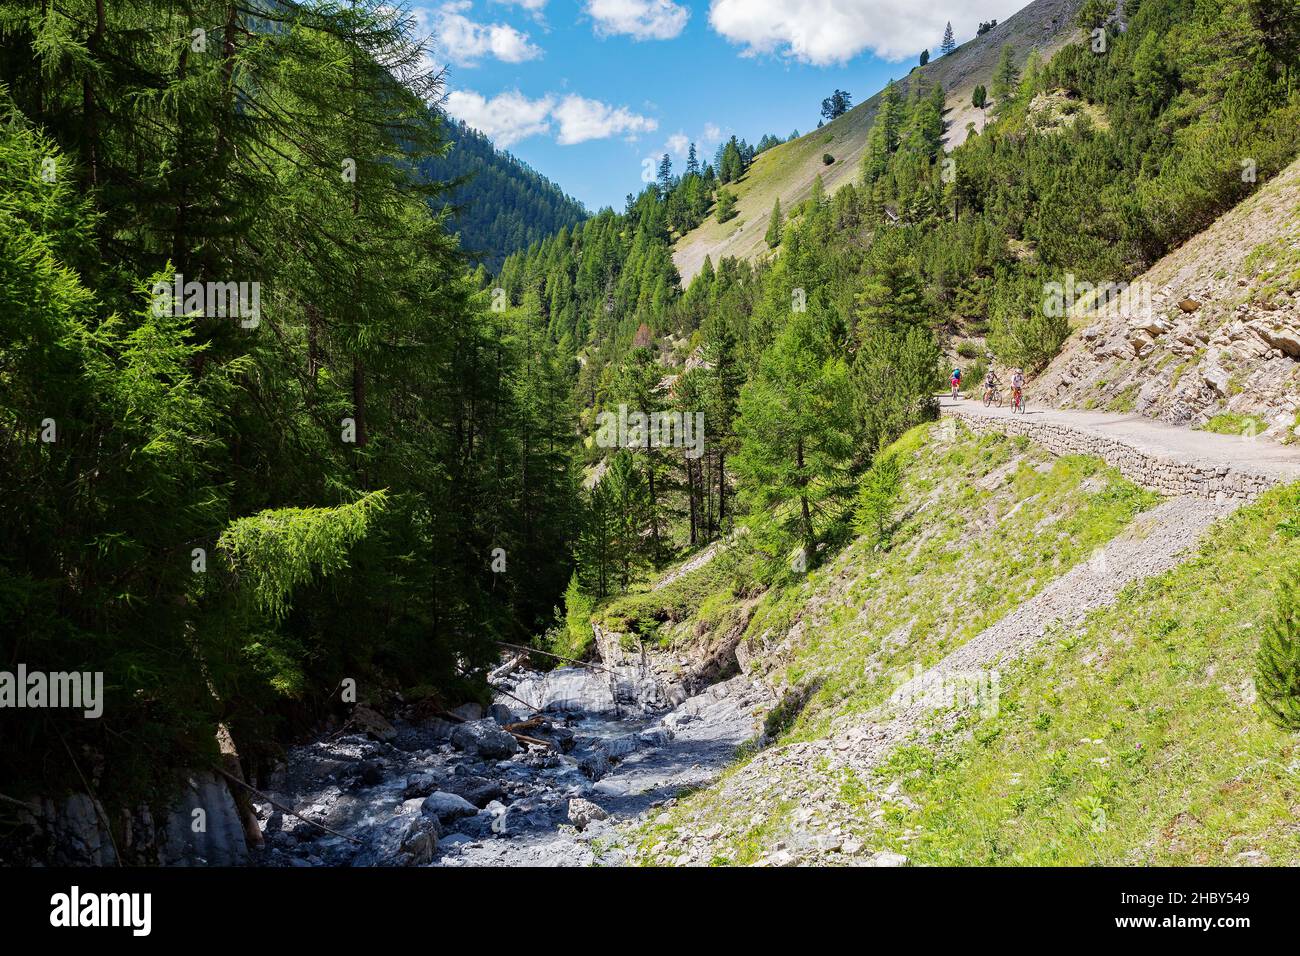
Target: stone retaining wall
x,y
1169,477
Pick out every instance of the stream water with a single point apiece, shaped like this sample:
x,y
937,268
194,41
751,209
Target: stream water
x,y
446,794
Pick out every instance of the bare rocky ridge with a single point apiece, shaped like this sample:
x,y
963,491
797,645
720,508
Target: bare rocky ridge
x,y
1222,334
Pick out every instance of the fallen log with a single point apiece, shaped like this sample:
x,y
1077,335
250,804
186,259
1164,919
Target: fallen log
x,y
281,807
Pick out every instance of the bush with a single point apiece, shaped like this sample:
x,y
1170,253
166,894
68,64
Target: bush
x,y
827,159
968,349
574,638
878,498
1277,670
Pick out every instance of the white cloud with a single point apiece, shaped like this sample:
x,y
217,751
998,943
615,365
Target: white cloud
x,y
509,117
639,19
465,42
533,6
712,134
582,119
506,118
825,32
678,143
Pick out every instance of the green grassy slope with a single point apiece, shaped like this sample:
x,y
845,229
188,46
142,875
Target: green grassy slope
x,y
1134,741
787,171
987,523
1130,740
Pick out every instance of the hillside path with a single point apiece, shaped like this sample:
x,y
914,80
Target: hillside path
x,y
1163,457
1205,477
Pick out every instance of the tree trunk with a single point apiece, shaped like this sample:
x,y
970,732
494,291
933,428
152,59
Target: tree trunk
x,y
722,488
690,491
359,399
803,501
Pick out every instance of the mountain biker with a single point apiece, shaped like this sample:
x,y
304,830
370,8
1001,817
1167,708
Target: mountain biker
x,y
1017,386
990,383
956,381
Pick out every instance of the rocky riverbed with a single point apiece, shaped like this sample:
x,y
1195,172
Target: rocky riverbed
x,y
431,791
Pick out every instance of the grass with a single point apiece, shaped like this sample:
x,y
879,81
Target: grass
x,y
1228,423
1136,743
1125,401
999,519
991,521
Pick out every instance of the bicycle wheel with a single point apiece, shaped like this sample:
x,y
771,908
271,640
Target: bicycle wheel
x,y
988,399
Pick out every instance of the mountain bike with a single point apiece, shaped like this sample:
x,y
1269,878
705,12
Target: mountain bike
x,y
956,391
993,395
1018,401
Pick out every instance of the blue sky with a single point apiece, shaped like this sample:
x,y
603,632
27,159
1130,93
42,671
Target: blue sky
x,y
585,90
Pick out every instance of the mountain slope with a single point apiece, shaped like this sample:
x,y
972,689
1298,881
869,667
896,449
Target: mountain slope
x,y
1220,344
788,171
504,204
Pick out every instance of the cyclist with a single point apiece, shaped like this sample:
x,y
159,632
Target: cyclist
x,y
991,384
956,382
1017,388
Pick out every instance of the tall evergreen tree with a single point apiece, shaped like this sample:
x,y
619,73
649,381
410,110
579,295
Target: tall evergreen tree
x,y
949,43
775,225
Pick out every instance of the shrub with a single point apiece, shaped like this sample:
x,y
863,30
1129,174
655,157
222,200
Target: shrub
x,y
1277,670
878,498
827,159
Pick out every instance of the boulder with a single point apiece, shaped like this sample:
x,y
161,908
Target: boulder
x,y
369,773
485,738
409,840
479,791
1189,305
582,812
1285,339
1217,378
420,785
370,722
594,764
470,711
501,714
446,807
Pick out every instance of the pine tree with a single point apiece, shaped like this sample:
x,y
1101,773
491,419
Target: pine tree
x,y
726,205
980,100
1006,78
925,57
949,43
665,174
775,225
795,434
1277,668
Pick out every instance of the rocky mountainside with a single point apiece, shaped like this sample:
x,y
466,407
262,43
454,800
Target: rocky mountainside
x,y
1208,337
788,171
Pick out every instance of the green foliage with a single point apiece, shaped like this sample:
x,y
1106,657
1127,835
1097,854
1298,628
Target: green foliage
x,y
795,432
836,105
1277,668
501,205
573,637
726,205
775,226
878,496
275,551
181,439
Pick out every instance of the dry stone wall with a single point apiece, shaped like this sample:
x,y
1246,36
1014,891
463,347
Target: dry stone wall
x,y
1209,481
